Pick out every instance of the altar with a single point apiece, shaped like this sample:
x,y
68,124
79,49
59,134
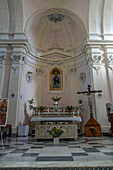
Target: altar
x,y
67,120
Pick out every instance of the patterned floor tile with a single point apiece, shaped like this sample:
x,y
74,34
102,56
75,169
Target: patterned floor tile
x,y
19,151
90,150
108,153
79,154
2,154
57,158
30,154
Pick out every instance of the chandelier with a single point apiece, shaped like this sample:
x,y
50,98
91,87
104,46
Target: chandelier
x,y
55,17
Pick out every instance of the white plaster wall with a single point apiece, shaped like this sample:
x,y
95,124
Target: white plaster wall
x,y
27,92
47,94
83,87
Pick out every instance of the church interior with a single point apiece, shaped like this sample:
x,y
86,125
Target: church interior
x,y
56,84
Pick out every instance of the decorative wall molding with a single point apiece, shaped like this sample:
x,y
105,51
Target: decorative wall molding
x,y
111,67
16,58
96,59
15,67
55,63
110,59
96,68
72,71
39,71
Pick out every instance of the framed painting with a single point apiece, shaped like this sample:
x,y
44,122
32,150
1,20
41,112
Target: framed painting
x,y
56,79
3,111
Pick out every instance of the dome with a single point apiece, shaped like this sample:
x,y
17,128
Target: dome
x,y
54,29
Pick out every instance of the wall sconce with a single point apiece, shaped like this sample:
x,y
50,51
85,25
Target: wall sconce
x,y
29,76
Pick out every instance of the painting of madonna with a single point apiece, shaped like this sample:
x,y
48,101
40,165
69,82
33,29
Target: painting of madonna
x,y
55,79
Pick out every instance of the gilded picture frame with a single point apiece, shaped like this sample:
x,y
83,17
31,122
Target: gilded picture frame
x,y
56,79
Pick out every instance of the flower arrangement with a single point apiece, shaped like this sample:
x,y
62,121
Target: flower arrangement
x,y
56,98
69,108
30,104
92,130
42,108
31,101
56,131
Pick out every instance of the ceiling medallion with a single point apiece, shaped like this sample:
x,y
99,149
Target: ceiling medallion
x,y
55,17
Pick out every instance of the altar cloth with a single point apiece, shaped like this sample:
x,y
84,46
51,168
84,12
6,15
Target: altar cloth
x,y
56,119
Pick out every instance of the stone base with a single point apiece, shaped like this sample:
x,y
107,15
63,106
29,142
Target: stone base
x,y
70,131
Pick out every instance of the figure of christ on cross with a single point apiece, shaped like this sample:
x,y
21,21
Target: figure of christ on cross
x,y
89,93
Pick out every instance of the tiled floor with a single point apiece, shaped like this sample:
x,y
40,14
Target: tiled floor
x,y
28,149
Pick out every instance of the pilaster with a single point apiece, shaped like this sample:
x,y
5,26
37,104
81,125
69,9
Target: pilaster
x,y
95,62
2,60
110,72
14,89
73,85
39,74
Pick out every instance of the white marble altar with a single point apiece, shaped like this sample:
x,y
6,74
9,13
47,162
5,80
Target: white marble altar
x,y
44,123
56,119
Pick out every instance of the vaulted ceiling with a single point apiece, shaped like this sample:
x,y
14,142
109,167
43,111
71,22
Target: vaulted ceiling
x,y
54,29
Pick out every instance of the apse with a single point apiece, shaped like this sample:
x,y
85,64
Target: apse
x,y
54,29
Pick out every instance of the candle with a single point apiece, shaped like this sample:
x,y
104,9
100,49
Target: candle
x,y
78,112
73,114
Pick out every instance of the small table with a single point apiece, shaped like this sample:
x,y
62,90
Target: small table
x,y
23,130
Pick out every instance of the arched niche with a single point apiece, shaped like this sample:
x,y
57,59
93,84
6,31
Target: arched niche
x,y
56,79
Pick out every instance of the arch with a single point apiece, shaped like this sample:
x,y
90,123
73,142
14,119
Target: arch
x,y
18,11
65,36
11,16
40,12
101,21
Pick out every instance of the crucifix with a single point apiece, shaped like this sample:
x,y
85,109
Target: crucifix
x,y
89,93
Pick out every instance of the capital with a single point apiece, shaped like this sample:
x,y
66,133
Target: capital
x,y
2,58
16,58
110,59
